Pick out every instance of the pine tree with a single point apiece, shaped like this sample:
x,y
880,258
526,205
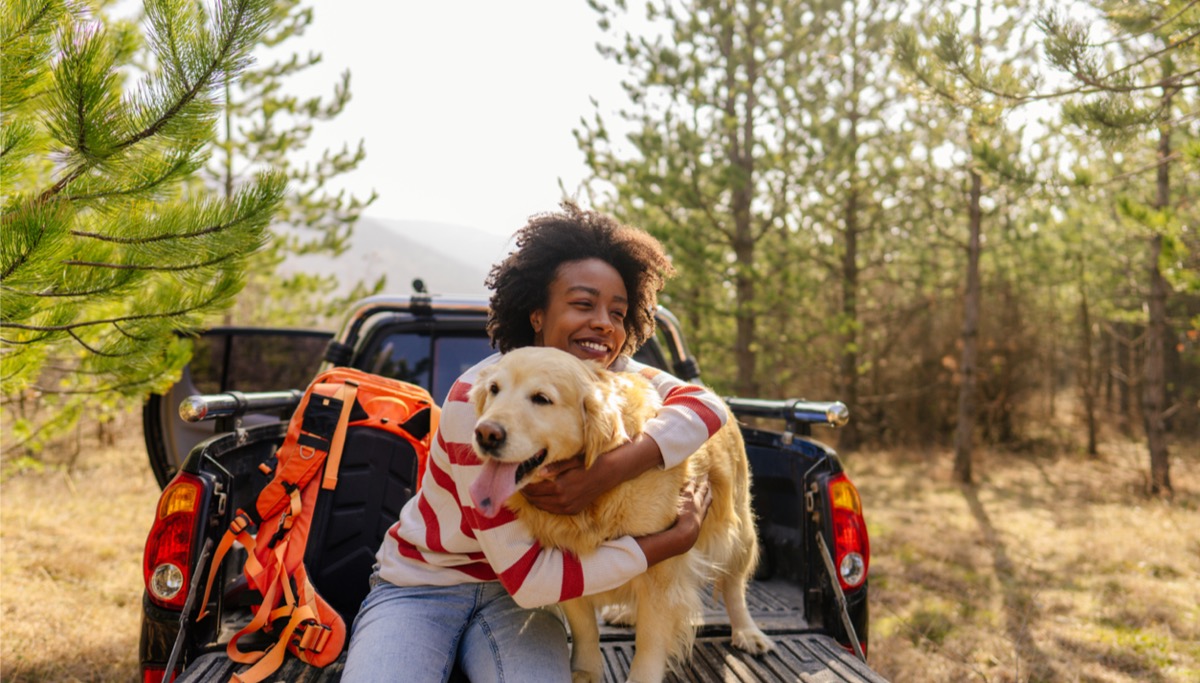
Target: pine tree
x,y
719,151
954,69
107,251
263,125
1140,89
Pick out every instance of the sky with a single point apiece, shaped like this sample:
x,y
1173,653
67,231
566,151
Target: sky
x,y
466,107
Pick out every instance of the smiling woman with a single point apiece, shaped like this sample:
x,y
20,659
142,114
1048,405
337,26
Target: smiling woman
x,y
468,578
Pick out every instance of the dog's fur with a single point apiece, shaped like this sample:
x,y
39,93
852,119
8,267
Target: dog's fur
x,y
544,399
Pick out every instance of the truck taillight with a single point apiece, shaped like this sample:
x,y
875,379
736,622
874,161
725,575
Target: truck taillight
x,y
852,549
157,674
167,560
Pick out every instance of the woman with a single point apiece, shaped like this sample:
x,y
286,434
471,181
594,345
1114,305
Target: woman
x,y
455,587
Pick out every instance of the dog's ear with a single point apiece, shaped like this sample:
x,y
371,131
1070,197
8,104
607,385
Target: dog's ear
x,y
479,390
600,424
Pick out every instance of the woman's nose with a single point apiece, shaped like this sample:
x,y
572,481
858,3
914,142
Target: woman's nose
x,y
601,320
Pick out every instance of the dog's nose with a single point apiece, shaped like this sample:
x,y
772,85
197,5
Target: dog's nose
x,y
489,434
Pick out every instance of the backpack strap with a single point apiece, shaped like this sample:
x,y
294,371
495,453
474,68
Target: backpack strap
x,y
236,532
347,394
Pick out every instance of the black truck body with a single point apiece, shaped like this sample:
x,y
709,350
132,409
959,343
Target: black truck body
x,y
819,624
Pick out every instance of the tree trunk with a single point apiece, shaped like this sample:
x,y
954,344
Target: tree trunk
x,y
741,155
849,437
964,435
848,392
1088,379
1154,378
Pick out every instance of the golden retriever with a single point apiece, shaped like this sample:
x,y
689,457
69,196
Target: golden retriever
x,y
539,405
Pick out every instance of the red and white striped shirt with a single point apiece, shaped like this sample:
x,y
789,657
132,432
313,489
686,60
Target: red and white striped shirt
x,y
439,539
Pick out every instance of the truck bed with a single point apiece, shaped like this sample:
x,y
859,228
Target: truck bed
x,y
777,607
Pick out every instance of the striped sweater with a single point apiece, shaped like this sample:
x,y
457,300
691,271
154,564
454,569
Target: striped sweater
x,y
439,539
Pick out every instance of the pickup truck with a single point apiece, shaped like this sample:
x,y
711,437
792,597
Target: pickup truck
x,y
809,595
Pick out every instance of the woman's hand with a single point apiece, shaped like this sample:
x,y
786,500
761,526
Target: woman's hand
x,y
570,487
694,501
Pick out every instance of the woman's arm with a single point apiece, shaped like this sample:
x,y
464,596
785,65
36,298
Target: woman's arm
x,y
690,414
537,576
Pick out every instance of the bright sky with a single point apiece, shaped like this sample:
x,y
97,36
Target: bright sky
x,y
466,106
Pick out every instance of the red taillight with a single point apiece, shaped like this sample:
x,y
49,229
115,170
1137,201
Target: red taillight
x,y
167,560
852,549
156,674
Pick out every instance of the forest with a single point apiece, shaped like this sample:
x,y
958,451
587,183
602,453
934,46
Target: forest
x,y
961,219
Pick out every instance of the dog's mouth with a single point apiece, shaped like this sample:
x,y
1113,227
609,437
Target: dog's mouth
x,y
500,480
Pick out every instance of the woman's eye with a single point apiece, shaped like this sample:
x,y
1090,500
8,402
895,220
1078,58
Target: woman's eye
x,y
619,315
541,400
494,388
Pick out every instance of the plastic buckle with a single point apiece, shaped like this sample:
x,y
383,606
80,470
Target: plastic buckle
x,y
311,636
241,521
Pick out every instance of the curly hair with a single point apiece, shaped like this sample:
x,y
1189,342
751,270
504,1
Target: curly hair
x,y
520,283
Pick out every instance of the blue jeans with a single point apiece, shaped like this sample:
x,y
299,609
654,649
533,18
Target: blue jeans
x,y
419,633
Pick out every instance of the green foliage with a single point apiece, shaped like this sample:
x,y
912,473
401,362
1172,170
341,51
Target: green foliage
x,y
107,252
263,125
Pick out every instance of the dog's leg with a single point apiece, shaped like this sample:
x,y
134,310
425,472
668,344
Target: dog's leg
x,y
586,660
652,643
668,597
621,614
746,634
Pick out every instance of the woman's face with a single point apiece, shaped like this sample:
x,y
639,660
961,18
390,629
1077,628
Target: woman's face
x,y
585,311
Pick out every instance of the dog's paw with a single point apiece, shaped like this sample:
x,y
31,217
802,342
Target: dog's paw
x,y
753,641
618,615
585,677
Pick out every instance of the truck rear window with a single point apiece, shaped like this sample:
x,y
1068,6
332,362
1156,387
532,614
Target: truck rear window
x,y
430,360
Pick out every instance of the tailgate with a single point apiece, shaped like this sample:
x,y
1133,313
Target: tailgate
x,y
804,657
776,605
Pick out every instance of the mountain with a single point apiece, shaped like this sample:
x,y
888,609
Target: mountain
x,y
450,259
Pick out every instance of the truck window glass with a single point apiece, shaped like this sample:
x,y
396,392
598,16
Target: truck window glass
x,y
256,360
455,355
412,356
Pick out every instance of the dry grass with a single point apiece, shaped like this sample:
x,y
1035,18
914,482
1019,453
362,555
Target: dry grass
x,y
71,564
1052,568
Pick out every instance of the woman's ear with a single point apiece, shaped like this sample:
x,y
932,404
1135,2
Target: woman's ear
x,y
535,320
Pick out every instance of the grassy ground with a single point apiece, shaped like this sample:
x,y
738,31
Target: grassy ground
x,y
71,564
1052,568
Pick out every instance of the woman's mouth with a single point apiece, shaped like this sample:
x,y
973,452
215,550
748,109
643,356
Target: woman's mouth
x,y
595,349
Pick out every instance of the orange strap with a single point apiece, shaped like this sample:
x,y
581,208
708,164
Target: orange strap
x,y
348,393
273,657
236,531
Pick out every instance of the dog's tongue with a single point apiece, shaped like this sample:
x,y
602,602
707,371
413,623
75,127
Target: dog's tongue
x,y
494,485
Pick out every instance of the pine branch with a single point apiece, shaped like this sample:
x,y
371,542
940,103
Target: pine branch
x,y
220,227
34,20
1153,29
156,269
96,351
55,294
127,318
180,164
193,92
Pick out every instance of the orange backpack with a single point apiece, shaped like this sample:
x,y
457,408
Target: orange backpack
x,y
308,464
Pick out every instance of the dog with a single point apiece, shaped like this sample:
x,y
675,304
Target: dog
x,y
541,405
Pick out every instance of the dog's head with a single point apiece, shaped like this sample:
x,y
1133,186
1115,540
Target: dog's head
x,y
537,405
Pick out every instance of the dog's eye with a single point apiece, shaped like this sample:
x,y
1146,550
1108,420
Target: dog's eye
x,y
541,400
494,389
